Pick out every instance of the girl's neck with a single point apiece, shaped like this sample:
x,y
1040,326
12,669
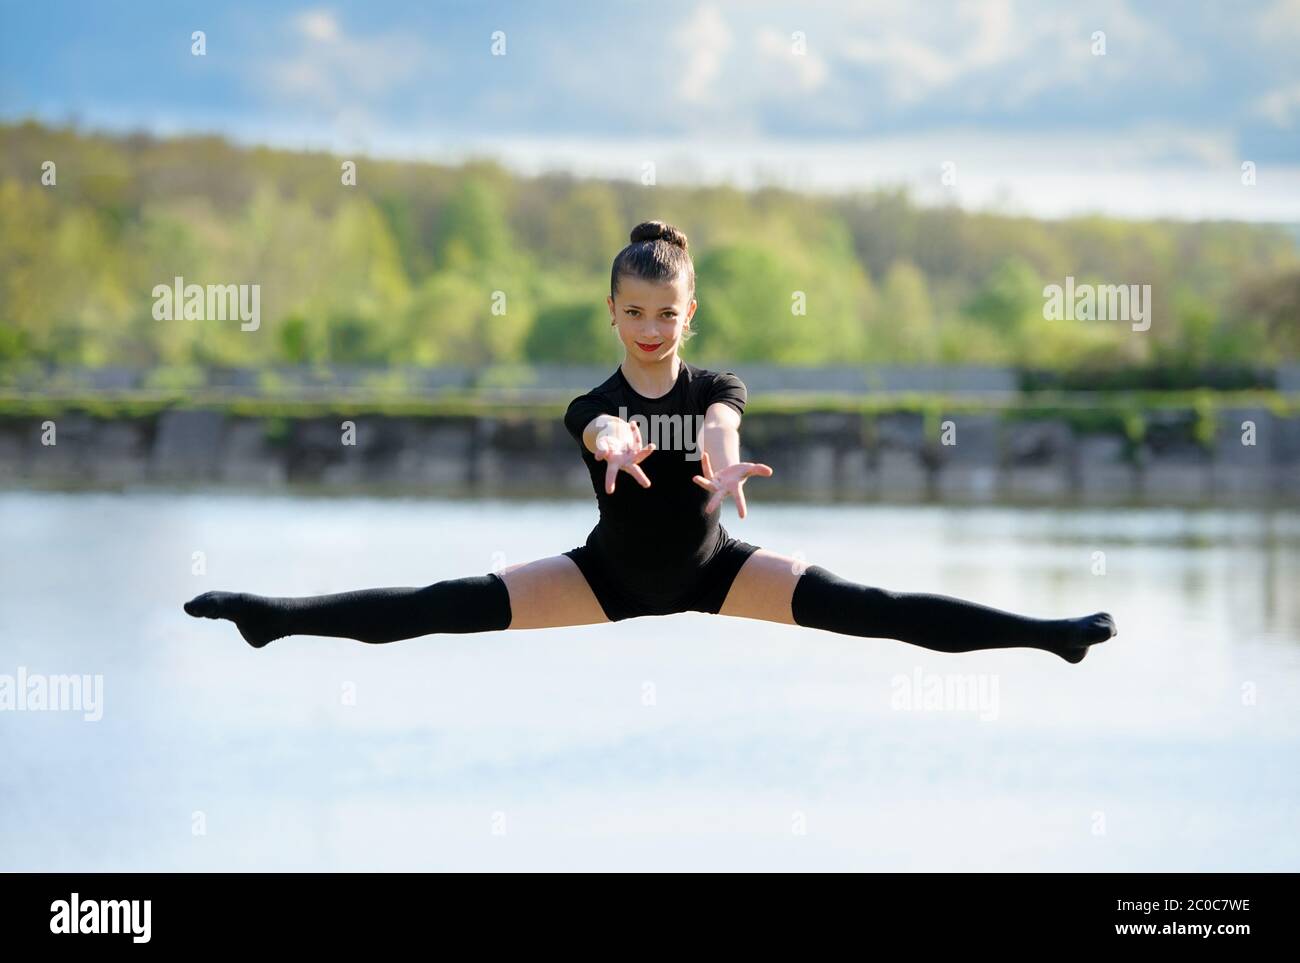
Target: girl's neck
x,y
652,379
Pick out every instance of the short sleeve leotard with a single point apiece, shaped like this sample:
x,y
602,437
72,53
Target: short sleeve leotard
x,y
655,551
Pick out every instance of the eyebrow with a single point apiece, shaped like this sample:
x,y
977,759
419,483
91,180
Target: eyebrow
x,y
666,307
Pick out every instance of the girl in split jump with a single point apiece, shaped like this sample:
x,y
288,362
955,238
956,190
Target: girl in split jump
x,y
659,546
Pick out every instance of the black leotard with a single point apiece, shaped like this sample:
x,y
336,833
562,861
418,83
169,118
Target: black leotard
x,y
656,547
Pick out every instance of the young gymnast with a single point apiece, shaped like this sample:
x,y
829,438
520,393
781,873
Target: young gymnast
x,y
659,547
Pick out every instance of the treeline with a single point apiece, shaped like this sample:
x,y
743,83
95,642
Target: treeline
x,y
426,264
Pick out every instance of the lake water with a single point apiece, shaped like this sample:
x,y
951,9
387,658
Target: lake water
x,y
691,741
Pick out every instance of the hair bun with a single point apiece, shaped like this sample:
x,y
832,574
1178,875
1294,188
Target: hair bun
x,y
658,231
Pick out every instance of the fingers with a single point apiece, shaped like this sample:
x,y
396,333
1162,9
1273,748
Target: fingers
x,y
703,482
633,465
708,468
757,469
740,497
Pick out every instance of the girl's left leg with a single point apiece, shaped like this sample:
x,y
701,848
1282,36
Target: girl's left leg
x,y
778,588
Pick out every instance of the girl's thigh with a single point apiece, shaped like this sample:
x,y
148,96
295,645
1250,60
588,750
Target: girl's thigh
x,y
548,593
764,587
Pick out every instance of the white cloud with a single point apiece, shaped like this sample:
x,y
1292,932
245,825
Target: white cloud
x,y
1137,171
341,73
809,67
994,41
1000,53
913,69
319,25
917,64
704,41
1280,23
1280,106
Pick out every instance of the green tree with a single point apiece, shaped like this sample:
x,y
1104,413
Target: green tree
x,y
584,230
1008,299
575,332
472,232
906,319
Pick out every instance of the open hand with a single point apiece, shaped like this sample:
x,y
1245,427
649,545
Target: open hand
x,y
619,446
728,481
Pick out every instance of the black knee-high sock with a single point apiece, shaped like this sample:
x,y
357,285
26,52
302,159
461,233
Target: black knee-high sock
x,y
478,603
823,600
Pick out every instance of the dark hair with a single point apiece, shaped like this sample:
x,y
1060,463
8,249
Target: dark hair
x,y
657,253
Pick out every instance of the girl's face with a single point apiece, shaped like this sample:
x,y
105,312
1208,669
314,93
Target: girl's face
x,y
651,316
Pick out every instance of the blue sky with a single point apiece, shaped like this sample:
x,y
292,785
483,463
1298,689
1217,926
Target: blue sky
x,y
1009,92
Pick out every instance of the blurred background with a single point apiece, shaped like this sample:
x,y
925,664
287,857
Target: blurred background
x,y
426,199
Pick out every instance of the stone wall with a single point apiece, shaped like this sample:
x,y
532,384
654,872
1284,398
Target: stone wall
x,y
891,456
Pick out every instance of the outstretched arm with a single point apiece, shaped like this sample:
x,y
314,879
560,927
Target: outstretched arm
x,y
720,435
723,472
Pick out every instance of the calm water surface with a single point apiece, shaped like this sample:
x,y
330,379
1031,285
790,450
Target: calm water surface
x,y
690,741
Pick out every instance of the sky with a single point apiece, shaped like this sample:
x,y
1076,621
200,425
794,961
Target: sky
x,y
1007,105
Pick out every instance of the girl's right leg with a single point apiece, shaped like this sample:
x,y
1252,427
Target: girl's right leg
x,y
548,592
